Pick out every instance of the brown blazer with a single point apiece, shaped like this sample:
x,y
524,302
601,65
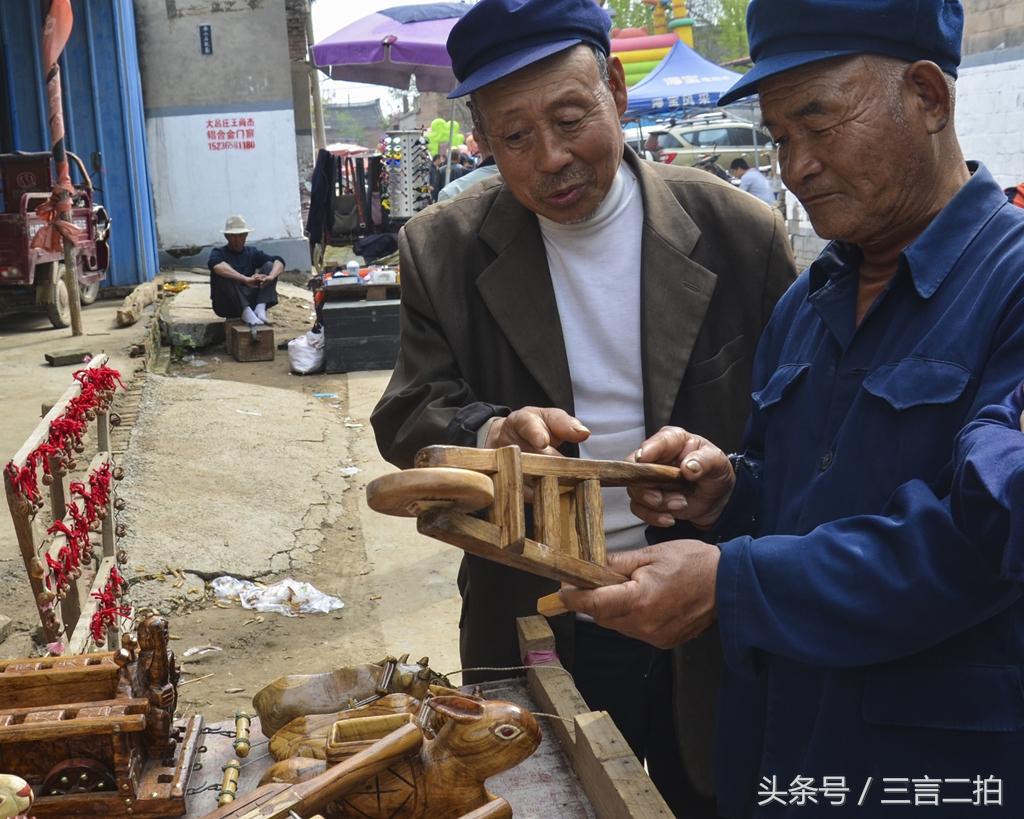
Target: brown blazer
x,y
480,336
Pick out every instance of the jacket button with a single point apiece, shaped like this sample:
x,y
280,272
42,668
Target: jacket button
x,y
826,460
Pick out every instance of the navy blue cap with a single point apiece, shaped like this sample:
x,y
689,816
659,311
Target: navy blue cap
x,y
785,34
497,37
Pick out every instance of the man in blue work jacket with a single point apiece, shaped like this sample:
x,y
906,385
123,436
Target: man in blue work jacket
x,y
873,657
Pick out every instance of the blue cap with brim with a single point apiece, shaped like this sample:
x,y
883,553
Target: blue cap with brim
x,y
496,38
786,34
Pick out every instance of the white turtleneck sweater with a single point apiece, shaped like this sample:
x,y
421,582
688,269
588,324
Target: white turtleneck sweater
x,y
595,271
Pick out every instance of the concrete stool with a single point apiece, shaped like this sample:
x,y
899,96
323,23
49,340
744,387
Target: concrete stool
x,y
238,339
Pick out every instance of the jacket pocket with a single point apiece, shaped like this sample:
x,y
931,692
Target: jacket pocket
x,y
779,384
701,372
958,698
917,382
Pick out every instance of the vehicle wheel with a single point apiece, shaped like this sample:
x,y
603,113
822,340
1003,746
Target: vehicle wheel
x,y
59,310
87,293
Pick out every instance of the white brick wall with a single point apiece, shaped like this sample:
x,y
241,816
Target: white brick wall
x,y
990,118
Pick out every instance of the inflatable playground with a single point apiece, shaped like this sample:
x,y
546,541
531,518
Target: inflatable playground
x,y
641,52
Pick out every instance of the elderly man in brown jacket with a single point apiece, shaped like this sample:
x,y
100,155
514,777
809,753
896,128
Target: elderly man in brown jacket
x,y
573,307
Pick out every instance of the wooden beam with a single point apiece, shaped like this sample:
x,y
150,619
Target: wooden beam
x,y
482,538
590,521
611,775
609,473
78,639
63,729
507,510
547,513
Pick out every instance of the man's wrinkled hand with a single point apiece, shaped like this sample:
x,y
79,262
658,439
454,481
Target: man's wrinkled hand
x,y
668,599
700,462
536,429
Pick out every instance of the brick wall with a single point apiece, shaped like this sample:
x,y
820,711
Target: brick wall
x,y
992,24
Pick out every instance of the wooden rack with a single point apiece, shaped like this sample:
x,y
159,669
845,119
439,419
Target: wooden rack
x,y
75,610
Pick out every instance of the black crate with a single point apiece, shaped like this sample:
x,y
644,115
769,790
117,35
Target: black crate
x,y
347,355
360,319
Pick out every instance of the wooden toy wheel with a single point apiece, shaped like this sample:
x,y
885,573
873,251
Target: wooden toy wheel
x,y
414,491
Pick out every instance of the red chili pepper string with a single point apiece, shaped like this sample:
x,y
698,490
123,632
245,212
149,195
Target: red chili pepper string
x,y
108,609
65,433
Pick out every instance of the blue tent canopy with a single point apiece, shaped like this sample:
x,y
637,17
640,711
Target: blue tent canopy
x,y
684,79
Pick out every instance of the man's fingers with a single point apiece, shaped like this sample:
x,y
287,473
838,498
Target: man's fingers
x,y
563,426
664,447
627,562
606,603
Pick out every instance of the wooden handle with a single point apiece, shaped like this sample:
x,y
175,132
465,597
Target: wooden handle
x,y
241,743
550,605
276,801
408,493
497,808
229,787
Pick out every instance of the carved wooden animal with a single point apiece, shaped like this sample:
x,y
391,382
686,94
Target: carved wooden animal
x,y
445,779
15,796
299,695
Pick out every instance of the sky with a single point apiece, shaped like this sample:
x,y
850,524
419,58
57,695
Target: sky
x,y
331,15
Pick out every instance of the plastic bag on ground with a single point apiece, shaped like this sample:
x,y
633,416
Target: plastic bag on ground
x,y
306,353
288,597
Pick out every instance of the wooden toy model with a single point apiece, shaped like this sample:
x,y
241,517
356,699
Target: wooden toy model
x,y
449,483
300,695
95,735
465,741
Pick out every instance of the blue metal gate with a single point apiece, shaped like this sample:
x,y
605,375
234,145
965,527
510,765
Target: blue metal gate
x,y
103,115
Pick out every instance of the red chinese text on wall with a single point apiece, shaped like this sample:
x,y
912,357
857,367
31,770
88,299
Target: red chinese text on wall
x,y
231,134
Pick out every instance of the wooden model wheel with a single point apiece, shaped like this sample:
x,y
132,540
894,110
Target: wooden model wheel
x,y
413,491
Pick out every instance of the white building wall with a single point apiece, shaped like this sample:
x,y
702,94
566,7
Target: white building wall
x,y
199,180
990,118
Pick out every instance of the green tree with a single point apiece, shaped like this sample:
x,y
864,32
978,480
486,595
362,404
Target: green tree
x,y
629,13
720,28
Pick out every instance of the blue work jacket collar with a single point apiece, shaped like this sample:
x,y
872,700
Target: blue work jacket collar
x,y
933,254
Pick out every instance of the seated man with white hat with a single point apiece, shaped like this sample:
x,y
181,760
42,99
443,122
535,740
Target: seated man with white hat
x,y
243,280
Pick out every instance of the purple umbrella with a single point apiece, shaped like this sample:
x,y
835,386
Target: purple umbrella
x,y
387,47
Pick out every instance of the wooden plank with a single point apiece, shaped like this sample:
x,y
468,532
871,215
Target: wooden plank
x,y
78,640
567,518
41,688
136,705
507,510
547,513
590,521
534,635
482,538
25,532
29,665
42,430
59,730
58,497
612,777
609,473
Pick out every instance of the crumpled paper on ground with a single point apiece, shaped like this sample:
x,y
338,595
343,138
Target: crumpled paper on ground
x,y
288,597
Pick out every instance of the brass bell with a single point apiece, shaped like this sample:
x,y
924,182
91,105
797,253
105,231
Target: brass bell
x,y
115,419
117,473
119,504
122,557
36,569
47,479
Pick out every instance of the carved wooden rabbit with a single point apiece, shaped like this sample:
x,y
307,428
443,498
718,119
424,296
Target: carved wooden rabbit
x,y
299,695
445,779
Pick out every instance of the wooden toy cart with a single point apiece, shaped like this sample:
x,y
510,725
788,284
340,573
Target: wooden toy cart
x,y
94,734
450,483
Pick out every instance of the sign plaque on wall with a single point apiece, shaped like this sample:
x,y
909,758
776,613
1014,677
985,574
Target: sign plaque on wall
x,y
206,40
